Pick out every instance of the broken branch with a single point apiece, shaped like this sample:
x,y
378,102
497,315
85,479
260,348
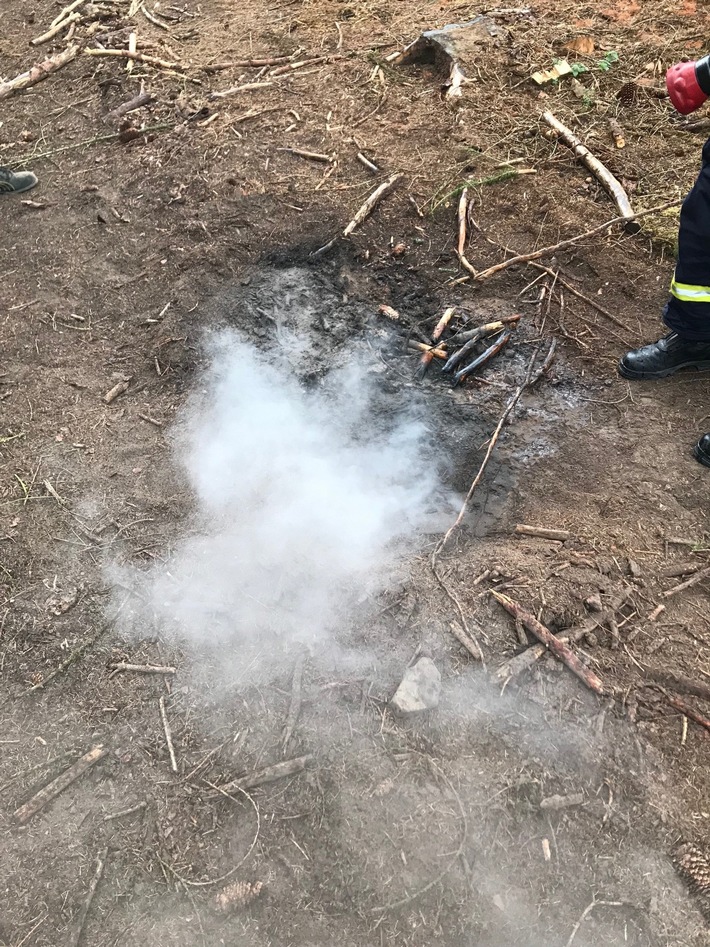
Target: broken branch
x,y
541,531
294,710
53,30
58,785
78,927
364,212
136,57
270,774
611,184
38,72
687,710
560,650
698,577
143,668
168,735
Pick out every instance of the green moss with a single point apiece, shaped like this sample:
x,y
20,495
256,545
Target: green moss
x,y
663,229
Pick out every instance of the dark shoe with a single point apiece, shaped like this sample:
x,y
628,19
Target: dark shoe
x,y
702,450
665,357
16,182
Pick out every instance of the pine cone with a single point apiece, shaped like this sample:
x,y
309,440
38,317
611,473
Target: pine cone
x,y
694,868
237,895
628,94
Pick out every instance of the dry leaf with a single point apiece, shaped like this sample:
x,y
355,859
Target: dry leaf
x,y
584,45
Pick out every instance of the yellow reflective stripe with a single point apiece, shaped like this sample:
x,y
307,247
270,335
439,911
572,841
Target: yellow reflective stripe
x,y
687,293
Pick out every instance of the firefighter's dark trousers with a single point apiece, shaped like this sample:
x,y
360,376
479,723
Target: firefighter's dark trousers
x,y
688,309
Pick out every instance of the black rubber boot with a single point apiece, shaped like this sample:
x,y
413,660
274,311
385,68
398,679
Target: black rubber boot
x,y
702,450
16,182
665,357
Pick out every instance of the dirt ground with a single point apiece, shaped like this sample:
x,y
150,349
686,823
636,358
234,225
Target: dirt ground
x,y
136,246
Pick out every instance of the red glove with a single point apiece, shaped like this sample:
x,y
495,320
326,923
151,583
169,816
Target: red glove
x,y
688,84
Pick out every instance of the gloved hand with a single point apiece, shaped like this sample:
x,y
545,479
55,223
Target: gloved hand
x,y
688,84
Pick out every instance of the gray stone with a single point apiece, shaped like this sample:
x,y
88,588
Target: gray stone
x,y
419,690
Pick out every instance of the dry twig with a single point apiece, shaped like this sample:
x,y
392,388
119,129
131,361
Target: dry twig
x,y
58,785
294,710
542,532
554,644
143,668
168,735
78,926
364,212
269,774
698,577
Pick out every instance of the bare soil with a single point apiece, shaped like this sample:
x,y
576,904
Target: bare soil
x,y
397,832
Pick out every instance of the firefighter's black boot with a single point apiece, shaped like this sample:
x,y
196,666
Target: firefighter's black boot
x,y
665,357
702,450
16,182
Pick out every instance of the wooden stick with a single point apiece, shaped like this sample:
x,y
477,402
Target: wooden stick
x,y
698,577
560,650
58,785
291,67
294,710
78,927
63,14
38,72
137,102
682,707
154,19
132,49
469,644
136,57
498,345
366,163
462,214
547,362
309,155
442,323
680,683
168,735
270,774
528,658
423,347
143,668
371,203
118,389
246,64
549,251
543,532
53,30
139,807
611,184
364,212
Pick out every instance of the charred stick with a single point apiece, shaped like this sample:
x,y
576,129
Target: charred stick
x,y
270,774
442,323
471,339
547,362
488,329
294,710
490,353
560,650
78,926
58,785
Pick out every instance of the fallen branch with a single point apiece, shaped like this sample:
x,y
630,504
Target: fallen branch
x,y
135,57
309,155
586,912
78,926
498,345
575,292
443,323
58,785
473,336
611,184
294,710
366,163
247,87
270,774
679,683
687,710
546,363
168,735
63,14
698,577
528,658
472,646
542,532
137,102
462,215
291,67
142,668
38,72
364,212
549,251
54,30
554,644
245,64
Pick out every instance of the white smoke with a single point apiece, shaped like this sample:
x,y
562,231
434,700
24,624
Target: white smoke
x,y
303,497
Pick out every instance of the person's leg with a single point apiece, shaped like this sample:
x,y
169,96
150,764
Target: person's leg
x,y
687,313
16,182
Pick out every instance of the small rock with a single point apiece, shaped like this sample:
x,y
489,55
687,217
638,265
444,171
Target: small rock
x,y
419,690
634,569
